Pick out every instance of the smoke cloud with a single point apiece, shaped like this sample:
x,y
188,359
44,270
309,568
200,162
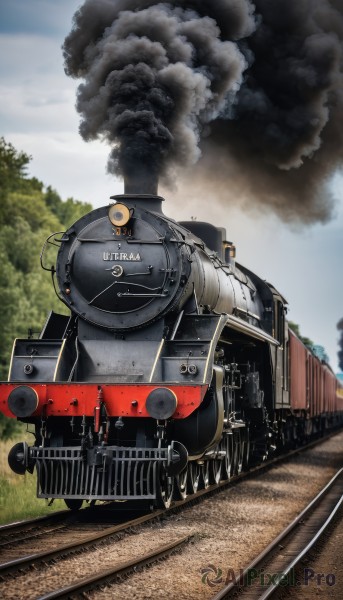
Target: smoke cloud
x,y
340,352
247,96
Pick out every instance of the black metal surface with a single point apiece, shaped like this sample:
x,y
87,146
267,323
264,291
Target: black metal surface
x,y
211,235
121,277
109,473
55,327
17,458
23,401
161,403
203,428
41,355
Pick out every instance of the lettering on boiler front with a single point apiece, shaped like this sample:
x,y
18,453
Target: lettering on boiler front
x,y
122,256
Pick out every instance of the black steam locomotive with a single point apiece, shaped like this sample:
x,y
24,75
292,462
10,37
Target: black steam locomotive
x,y
171,372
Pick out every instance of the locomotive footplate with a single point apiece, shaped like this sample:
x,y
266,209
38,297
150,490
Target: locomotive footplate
x,y
104,472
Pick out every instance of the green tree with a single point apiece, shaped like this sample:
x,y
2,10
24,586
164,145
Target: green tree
x,y
28,215
13,165
67,211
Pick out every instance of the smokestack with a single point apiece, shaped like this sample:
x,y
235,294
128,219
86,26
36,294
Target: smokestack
x,y
140,182
140,189
145,201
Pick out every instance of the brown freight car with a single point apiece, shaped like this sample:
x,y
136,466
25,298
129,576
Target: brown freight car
x,y
313,386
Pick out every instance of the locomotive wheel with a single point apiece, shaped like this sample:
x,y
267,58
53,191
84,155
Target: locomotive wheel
x,y
180,490
227,446
246,450
193,476
215,471
73,503
238,452
204,479
164,489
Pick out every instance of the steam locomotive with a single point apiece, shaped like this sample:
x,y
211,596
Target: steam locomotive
x,y
175,368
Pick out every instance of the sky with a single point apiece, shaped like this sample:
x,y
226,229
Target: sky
x,y
38,116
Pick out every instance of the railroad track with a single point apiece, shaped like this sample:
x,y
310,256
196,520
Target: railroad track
x,y
116,573
75,546
13,536
22,537
24,530
65,550
19,530
274,568
111,575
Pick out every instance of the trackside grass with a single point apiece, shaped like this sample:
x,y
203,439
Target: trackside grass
x,y
18,492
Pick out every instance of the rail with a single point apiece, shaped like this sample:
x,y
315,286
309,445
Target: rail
x,y
288,548
115,573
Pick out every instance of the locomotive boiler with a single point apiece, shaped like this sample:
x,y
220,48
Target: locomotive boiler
x,y
171,371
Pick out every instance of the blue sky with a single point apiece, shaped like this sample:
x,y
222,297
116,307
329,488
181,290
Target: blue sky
x,y
37,115
41,17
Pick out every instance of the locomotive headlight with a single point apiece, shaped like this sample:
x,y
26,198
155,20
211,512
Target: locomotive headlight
x,y
119,215
23,401
161,403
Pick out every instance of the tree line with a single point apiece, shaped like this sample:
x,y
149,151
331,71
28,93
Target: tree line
x,y
29,213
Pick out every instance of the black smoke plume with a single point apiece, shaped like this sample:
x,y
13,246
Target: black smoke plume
x,y
251,91
340,351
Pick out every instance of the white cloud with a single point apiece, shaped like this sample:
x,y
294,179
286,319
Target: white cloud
x,y
69,165
38,116
34,93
